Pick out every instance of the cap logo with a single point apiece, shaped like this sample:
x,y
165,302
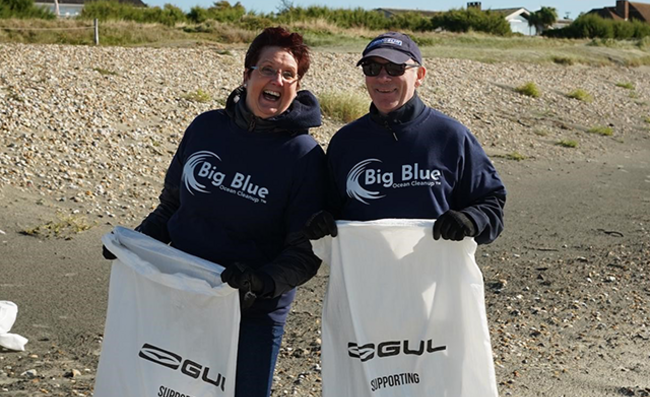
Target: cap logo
x,y
386,40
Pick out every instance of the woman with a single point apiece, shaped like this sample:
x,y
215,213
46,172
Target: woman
x,y
241,185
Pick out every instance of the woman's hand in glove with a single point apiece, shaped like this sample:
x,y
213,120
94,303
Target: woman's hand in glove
x,y
240,276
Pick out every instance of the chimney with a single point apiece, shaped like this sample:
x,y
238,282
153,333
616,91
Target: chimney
x,y
474,4
623,9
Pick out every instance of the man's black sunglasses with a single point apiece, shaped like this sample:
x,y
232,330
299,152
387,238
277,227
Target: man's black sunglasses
x,y
373,69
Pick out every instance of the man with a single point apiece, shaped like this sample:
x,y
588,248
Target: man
x,y
406,160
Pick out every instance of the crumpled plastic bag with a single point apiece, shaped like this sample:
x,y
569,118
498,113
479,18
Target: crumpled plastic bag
x,y
8,312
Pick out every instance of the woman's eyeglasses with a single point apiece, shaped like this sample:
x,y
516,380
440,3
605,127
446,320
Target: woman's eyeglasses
x,y
373,69
267,71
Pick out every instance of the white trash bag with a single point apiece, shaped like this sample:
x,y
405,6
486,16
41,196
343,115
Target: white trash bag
x,y
172,326
404,315
8,312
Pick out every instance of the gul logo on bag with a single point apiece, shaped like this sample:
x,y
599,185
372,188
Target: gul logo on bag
x,y
390,348
174,361
366,177
203,168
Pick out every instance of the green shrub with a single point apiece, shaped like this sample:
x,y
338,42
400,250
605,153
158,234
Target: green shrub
x,y
23,9
580,95
643,43
105,72
645,60
529,89
563,60
197,14
255,23
198,96
627,86
647,120
567,143
602,42
343,18
600,130
464,20
516,156
412,21
592,26
344,106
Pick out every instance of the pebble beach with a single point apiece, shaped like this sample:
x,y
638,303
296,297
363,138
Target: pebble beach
x,y
90,131
97,126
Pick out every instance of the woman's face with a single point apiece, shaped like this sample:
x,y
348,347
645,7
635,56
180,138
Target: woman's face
x,y
272,84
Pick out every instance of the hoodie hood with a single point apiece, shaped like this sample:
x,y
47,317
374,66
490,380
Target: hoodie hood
x,y
302,114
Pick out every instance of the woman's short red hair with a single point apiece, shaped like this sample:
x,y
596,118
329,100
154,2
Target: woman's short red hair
x,y
279,37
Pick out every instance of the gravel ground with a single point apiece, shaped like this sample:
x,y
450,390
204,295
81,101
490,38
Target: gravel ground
x,y
104,122
86,135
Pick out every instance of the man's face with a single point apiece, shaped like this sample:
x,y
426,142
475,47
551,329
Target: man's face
x,y
388,92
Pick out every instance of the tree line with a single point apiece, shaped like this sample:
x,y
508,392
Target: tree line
x,y
455,20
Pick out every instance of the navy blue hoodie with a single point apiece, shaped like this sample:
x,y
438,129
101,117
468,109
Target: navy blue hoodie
x,y
413,163
240,189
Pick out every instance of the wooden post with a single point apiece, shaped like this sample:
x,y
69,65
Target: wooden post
x,y
96,23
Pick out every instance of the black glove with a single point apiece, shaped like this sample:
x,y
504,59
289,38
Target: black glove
x,y
243,278
108,254
453,225
320,224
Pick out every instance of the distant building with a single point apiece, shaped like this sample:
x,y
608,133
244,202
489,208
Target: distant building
x,y
517,17
72,8
624,11
561,23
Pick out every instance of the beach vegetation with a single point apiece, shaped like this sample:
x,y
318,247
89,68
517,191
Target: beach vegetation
x,y
64,226
344,106
529,89
580,95
563,60
105,72
601,130
516,156
198,96
23,9
568,143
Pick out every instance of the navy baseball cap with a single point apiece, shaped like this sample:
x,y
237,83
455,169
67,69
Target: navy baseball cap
x,y
394,47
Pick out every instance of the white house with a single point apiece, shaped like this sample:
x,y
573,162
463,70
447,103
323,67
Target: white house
x,y
517,18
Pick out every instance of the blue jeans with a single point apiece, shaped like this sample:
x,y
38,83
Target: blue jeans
x,y
259,345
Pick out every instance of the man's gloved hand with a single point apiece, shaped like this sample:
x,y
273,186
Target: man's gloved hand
x,y
107,254
242,277
320,224
453,225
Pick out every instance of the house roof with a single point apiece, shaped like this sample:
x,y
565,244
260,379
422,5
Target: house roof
x,y
510,11
606,13
137,3
640,11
